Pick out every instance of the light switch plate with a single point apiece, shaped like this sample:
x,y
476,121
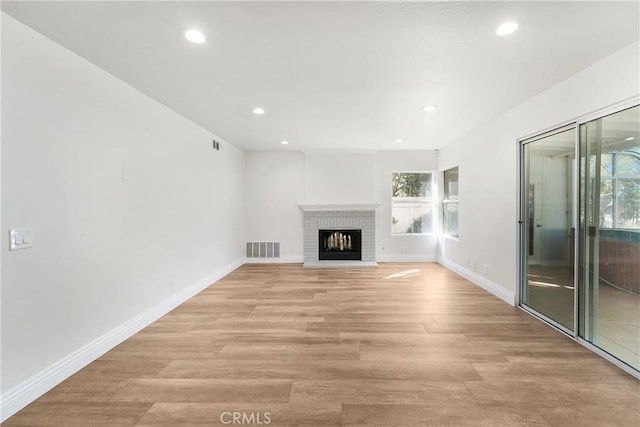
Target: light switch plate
x,y
20,238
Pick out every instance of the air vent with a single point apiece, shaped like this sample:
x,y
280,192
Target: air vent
x,y
263,249
216,145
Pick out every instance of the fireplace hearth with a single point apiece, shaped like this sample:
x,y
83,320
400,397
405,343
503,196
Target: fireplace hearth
x,y
342,245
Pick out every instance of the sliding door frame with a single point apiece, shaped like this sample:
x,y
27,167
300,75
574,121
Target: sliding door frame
x,y
520,224
598,114
522,234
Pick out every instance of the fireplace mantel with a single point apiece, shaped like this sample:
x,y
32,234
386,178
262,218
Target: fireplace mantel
x,y
341,207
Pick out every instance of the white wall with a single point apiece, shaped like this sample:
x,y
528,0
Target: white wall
x,y
108,245
343,177
274,189
278,182
489,165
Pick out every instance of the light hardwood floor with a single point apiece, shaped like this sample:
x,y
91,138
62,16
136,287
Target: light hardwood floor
x,y
397,345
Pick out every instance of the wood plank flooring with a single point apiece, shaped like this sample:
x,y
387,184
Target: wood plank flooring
x,y
397,345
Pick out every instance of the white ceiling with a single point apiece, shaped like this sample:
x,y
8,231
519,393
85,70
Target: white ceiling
x,y
337,75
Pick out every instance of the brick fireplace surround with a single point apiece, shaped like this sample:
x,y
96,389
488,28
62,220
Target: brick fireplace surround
x,y
344,217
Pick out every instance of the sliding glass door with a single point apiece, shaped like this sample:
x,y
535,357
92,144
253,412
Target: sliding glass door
x,y
580,231
548,226
609,238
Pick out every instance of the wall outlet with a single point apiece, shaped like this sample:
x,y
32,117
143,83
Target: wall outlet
x,y
485,269
173,285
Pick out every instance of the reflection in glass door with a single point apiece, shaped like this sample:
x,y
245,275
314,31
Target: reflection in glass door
x,y
609,270
548,229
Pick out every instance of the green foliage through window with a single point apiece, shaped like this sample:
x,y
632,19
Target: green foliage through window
x,y
410,184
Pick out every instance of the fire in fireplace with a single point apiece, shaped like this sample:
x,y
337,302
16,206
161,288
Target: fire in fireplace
x,y
340,245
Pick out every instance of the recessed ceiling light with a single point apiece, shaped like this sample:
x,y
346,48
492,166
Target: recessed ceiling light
x,y
398,140
284,142
258,111
507,28
195,36
631,138
430,108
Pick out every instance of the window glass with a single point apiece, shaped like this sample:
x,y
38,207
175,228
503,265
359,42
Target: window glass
x,y
628,199
451,184
411,202
628,164
450,202
620,190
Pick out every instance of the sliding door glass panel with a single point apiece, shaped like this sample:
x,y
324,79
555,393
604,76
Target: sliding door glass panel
x,y
609,270
548,165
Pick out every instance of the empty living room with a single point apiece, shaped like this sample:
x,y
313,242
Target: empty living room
x,y
319,213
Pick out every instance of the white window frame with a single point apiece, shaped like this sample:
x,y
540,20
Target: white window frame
x,y
427,202
446,202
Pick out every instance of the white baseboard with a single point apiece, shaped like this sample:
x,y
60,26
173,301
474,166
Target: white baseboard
x,y
287,259
486,284
405,258
21,395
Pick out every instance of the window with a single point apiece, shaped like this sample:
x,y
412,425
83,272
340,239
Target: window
x,y
412,202
450,203
619,189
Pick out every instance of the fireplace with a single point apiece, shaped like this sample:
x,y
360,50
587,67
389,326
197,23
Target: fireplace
x,y
342,245
357,221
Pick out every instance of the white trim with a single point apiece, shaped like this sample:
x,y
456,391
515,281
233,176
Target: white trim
x,y
405,258
287,259
505,295
29,390
341,207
